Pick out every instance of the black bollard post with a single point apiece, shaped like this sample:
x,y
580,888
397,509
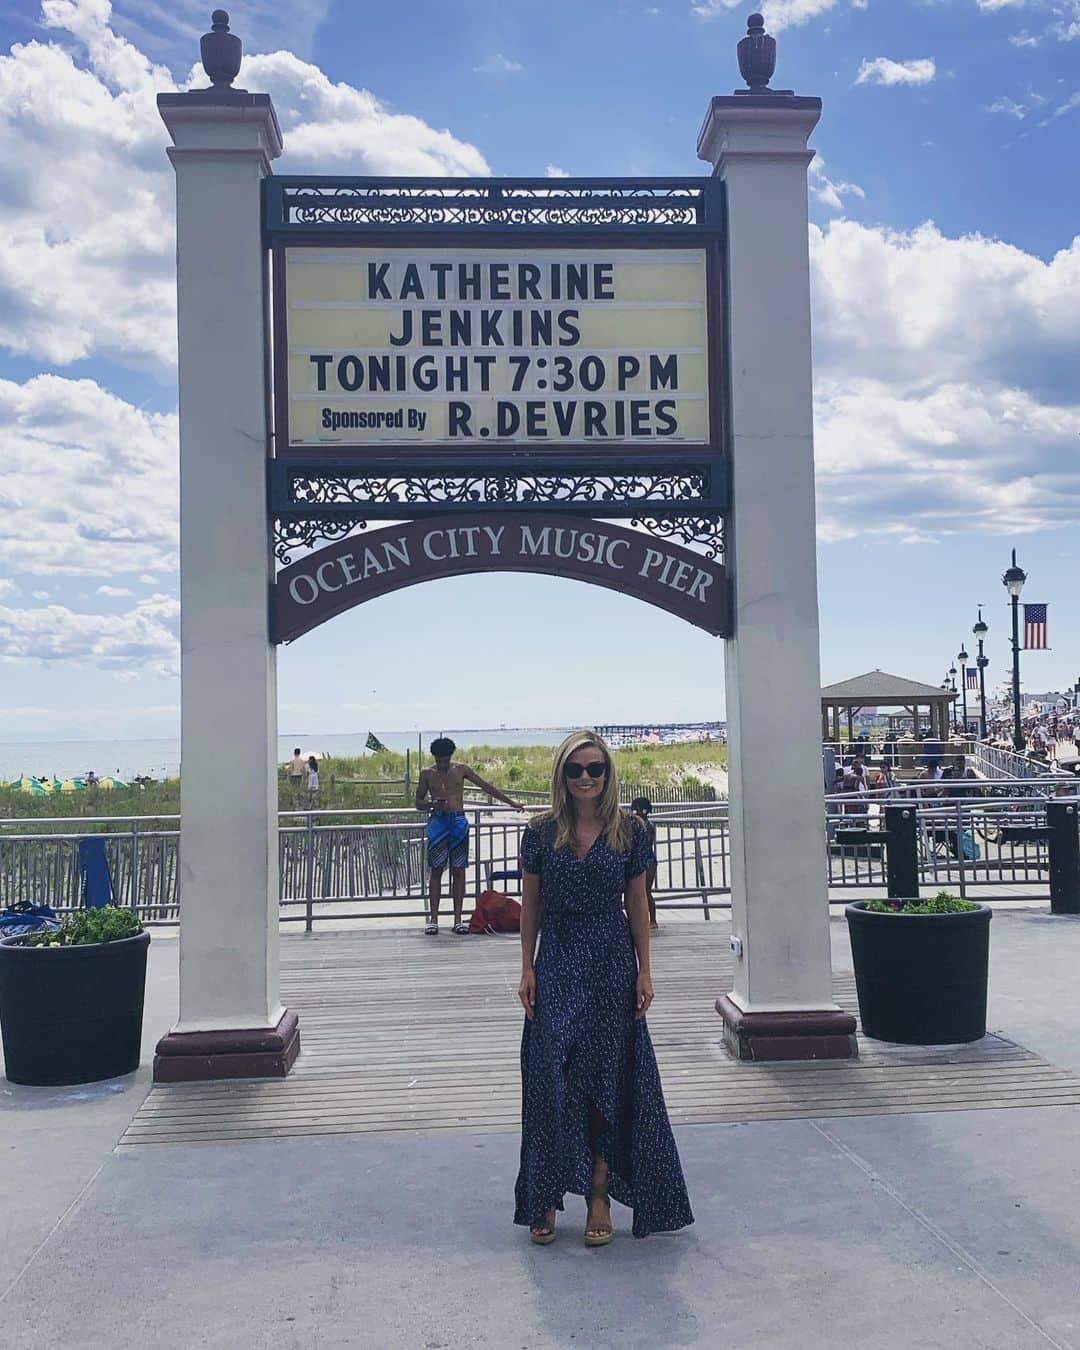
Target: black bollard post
x,y
1064,858
901,853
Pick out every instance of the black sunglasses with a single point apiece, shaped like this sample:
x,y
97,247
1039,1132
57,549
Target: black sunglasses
x,y
597,769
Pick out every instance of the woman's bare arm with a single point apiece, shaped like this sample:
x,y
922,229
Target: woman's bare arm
x,y
530,924
637,911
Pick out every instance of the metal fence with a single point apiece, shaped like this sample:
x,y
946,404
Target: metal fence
x,y
374,865
994,845
994,762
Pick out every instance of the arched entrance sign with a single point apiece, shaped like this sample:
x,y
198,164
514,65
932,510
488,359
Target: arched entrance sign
x,y
333,579
389,380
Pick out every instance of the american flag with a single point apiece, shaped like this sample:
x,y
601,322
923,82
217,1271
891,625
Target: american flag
x,y
1034,627
972,677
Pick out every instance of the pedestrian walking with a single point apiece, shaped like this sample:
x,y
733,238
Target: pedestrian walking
x,y
296,769
312,778
641,809
593,1120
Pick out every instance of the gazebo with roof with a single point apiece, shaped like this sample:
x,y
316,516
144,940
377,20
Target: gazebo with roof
x,y
878,689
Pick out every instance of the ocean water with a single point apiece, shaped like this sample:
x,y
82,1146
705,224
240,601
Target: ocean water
x,y
161,758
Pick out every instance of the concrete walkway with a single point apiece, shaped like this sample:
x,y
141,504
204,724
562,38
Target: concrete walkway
x,y
916,1230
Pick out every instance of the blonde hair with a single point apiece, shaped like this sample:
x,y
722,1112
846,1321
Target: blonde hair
x,y
616,824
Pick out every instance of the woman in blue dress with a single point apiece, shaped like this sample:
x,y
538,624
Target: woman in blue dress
x,y
593,1119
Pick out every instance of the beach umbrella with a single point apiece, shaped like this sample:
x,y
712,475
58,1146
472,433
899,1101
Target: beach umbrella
x,y
108,783
72,785
29,785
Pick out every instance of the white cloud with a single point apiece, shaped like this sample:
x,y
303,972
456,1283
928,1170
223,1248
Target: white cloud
x,y
1067,27
553,171
952,459
883,70
946,393
89,484
499,65
342,129
144,638
1070,105
114,592
87,248
1064,15
828,191
1009,106
779,14
170,29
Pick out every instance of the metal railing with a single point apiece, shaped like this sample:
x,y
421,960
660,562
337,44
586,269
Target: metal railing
x,y
995,762
372,864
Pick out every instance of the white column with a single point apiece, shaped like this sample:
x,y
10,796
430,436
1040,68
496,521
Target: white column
x,y
757,145
223,145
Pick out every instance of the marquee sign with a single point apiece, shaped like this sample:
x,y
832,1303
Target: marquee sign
x,y
364,566
470,347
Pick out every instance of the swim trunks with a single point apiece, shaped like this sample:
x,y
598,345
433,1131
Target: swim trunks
x,y
448,839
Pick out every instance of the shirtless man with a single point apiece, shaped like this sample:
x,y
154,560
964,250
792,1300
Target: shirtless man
x,y
441,790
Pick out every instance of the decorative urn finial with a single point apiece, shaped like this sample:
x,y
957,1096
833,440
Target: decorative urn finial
x,y
757,56
221,51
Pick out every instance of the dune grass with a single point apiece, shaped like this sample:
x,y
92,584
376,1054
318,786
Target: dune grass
x,y
524,769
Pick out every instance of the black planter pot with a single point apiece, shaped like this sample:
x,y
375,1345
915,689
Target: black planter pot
x,y
72,1014
921,977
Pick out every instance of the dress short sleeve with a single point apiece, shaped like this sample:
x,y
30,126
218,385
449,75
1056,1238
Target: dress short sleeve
x,y
530,849
641,854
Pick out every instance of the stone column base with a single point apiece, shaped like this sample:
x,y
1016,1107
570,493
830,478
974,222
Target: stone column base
x,y
193,1056
787,1035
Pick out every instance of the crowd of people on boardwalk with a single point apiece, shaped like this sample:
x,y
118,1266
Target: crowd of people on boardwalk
x,y
1049,737
861,773
862,770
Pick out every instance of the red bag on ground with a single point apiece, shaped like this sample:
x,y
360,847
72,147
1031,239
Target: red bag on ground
x,y
496,913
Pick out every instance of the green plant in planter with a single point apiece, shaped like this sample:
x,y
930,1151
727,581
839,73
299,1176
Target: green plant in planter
x,y
108,924
942,903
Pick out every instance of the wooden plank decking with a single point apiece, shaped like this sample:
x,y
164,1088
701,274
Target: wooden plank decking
x,y
405,1033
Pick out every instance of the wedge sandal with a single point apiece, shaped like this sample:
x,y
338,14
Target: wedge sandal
x,y
599,1234
542,1231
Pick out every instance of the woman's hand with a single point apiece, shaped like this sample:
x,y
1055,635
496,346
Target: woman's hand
x,y
643,995
527,993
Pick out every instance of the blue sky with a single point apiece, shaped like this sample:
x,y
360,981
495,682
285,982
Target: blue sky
x,y
947,334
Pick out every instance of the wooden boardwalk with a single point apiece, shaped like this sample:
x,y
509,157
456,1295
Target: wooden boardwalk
x,y
406,1033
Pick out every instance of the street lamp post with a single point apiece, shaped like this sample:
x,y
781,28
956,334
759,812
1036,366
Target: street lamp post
x,y
962,657
952,690
1013,581
980,630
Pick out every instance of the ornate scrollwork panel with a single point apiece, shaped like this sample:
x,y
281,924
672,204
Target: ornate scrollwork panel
x,y
291,536
509,488
652,203
705,532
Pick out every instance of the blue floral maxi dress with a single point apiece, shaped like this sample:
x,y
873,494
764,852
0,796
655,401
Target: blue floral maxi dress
x,y
585,1049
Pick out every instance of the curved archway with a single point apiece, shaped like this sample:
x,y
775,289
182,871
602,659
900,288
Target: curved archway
x,y
351,571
